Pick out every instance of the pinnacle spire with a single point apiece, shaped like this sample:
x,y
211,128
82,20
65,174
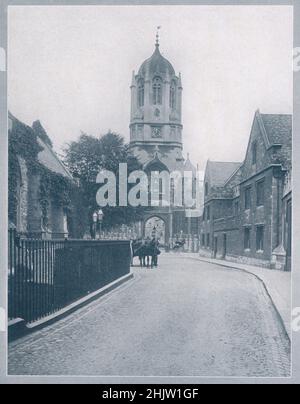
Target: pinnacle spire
x,y
179,81
133,79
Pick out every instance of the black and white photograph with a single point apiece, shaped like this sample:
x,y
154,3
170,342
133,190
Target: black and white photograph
x,y
150,216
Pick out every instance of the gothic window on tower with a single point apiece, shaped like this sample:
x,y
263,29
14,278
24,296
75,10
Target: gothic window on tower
x,y
173,95
141,93
157,91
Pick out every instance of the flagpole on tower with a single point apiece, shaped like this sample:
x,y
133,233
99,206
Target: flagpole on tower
x,y
157,35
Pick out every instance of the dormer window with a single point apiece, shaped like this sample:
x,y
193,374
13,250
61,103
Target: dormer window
x,y
157,91
141,93
173,95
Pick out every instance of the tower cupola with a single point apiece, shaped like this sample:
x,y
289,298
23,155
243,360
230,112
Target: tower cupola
x,y
155,120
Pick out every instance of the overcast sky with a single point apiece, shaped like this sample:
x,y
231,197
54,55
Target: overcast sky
x,y
71,68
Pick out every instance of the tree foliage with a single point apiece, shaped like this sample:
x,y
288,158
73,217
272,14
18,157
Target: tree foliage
x,y
86,157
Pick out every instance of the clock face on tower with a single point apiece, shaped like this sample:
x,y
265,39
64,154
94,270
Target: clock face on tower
x,y
156,132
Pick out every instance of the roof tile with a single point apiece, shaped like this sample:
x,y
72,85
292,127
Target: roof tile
x,y
278,128
220,172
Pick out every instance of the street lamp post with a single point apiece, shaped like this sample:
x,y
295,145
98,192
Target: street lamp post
x,y
97,223
100,218
95,218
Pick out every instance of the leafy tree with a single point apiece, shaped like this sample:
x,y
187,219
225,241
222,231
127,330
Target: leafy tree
x,y
86,157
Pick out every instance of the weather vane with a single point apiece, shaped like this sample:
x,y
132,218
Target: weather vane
x,y
157,35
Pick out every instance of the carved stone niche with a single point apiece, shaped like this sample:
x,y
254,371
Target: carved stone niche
x,y
173,131
174,116
140,130
133,132
139,114
157,113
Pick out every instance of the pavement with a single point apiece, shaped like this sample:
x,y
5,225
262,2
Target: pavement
x,y
278,285
186,318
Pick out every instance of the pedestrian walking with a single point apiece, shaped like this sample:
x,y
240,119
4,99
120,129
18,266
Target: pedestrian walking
x,y
154,253
148,251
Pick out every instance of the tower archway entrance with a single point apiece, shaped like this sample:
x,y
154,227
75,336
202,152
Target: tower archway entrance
x,y
156,227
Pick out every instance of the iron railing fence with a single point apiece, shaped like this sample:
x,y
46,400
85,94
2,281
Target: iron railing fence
x,y
46,275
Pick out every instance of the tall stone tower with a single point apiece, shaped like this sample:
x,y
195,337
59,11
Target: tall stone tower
x,y
155,120
156,140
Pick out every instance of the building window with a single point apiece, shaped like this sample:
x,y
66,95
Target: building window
x,y
260,238
203,240
173,95
247,238
208,240
206,188
236,208
172,191
260,193
254,153
141,92
157,91
248,198
208,213
194,188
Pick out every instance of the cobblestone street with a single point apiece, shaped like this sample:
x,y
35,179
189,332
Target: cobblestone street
x,y
186,318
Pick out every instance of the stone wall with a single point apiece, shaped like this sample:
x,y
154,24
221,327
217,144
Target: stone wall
x,y
34,208
56,220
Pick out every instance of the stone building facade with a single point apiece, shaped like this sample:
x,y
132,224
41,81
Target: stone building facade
x,y
28,215
287,220
156,141
247,206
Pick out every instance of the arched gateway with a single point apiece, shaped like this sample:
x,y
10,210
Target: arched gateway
x,y
156,227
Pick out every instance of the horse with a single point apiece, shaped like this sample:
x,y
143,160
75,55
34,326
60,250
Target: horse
x,y
143,251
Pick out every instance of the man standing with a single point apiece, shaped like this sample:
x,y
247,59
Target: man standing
x,y
154,252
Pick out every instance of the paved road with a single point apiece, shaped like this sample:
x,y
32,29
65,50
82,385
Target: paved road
x,y
187,318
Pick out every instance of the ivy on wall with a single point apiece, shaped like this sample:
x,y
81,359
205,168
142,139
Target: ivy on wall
x,y
55,187
13,175
21,142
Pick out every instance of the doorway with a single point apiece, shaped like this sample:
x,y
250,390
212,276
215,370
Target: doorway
x,y
155,228
215,247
